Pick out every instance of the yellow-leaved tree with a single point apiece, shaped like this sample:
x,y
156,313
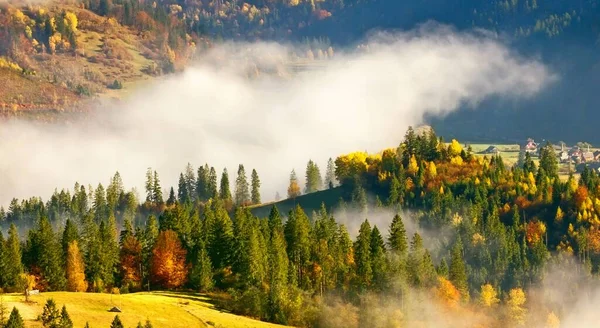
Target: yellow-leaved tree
x,y
447,292
454,149
516,309
431,170
75,269
552,321
488,296
413,166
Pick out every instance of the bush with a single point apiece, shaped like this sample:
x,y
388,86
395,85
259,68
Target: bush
x,y
116,85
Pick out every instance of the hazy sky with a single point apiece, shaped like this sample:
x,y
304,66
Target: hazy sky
x,y
213,113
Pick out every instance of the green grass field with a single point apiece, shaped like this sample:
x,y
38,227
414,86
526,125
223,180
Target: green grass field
x,y
164,309
310,202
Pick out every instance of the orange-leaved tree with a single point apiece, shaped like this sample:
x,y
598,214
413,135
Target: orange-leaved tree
x,y
75,269
168,269
131,261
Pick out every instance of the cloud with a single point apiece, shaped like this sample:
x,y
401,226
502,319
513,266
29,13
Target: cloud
x,y
213,112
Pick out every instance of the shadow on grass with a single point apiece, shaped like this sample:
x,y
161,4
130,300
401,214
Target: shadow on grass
x,y
216,302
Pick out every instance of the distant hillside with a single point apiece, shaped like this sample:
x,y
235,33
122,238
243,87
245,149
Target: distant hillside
x,y
309,202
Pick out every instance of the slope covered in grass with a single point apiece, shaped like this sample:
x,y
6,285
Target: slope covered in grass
x,y
164,309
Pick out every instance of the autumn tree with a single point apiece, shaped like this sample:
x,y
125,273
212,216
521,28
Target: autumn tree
x,y
488,296
515,303
130,259
75,269
169,269
293,188
447,293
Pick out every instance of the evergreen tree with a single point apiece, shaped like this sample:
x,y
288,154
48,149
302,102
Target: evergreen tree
x,y
330,180
183,195
114,192
202,183
201,275
442,269
13,267
242,192
224,191
116,323
2,277
378,259
297,236
50,255
69,235
148,324
313,178
278,269
171,200
15,320
157,195
255,188
549,161
212,184
100,205
457,272
397,237
415,261
190,182
51,315
65,320
149,186
362,251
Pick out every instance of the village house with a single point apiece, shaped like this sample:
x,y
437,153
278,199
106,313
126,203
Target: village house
x,y
530,146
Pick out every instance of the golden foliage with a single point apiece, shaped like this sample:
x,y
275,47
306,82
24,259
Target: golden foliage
x,y
75,269
488,296
559,215
431,170
454,149
581,195
169,269
413,166
71,21
456,160
7,63
535,231
477,239
552,321
447,292
516,310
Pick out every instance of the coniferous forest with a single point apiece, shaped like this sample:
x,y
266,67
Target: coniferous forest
x,y
462,236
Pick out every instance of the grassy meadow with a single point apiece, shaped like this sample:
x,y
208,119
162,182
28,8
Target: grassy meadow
x,y
164,309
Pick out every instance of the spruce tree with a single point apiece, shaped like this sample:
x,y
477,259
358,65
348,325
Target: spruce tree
x,y
378,259
202,183
15,320
190,182
457,272
255,188
297,235
171,200
442,269
397,237
242,192
69,235
224,191
201,275
13,266
293,188
362,251
149,186
157,195
148,324
100,205
183,194
330,181
50,315
278,269
313,178
65,320
212,184
116,323
50,260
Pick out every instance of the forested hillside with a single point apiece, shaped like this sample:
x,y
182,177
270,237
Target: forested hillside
x,y
488,241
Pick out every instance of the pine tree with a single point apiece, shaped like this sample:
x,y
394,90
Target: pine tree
x,y
183,195
212,184
171,200
13,267
100,205
224,191
397,237
278,269
50,315
201,275
242,192
190,182
15,320
149,186
148,324
330,180
75,269
69,235
362,251
116,323
255,188
157,195
442,269
297,236
65,320
114,192
378,259
50,255
457,272
202,183
294,188
313,178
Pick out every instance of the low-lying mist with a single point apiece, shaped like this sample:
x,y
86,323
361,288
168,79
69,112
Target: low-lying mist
x,y
214,112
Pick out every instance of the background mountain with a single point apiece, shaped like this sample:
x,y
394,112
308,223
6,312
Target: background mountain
x,y
120,42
